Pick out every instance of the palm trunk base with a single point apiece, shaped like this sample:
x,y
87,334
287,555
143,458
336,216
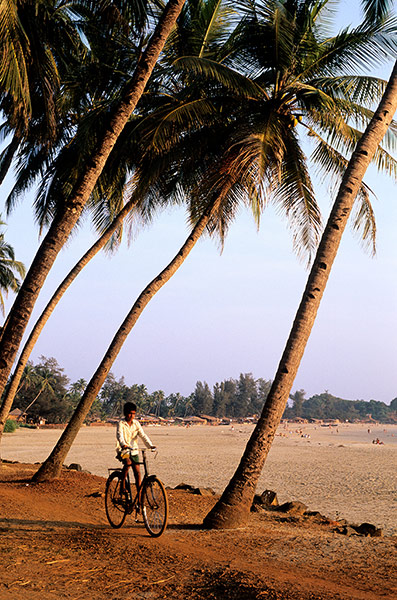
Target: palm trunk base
x,y
47,472
228,516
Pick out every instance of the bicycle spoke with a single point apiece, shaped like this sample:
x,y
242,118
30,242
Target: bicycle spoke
x,y
116,507
154,506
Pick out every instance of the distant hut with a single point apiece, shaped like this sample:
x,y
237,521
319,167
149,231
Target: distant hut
x,y
210,420
17,415
194,421
149,420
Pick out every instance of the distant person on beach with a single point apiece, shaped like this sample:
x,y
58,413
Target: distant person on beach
x,y
128,431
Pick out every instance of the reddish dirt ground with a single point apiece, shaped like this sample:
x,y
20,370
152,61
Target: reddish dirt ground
x,y
56,543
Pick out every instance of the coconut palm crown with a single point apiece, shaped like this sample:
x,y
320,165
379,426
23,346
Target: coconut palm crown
x,y
235,117
10,269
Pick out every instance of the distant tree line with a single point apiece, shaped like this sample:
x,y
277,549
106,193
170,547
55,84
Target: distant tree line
x,y
326,406
46,392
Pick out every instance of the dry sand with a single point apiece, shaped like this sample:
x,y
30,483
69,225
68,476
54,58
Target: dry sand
x,y
337,471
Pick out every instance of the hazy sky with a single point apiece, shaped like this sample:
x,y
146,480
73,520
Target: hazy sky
x,y
223,314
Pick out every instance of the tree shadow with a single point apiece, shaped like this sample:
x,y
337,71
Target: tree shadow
x,y
186,526
38,525
228,584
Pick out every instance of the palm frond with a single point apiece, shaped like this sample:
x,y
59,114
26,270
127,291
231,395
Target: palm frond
x,y
363,220
13,67
227,77
333,165
295,198
376,10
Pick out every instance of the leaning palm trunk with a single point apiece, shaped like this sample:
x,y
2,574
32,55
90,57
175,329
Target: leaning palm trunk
x,y
233,507
67,218
51,468
34,400
12,389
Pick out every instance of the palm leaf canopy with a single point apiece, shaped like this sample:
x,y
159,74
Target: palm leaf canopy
x,y
239,88
10,269
111,37
238,113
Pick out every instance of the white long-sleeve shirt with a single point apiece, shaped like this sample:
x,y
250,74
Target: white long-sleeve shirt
x,y
127,435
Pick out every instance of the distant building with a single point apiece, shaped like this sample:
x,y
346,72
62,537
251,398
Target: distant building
x,y
194,421
210,420
17,415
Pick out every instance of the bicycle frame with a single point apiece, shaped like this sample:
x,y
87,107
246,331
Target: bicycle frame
x,y
150,500
134,502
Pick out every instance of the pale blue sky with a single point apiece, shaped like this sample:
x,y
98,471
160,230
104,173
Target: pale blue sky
x,y
225,314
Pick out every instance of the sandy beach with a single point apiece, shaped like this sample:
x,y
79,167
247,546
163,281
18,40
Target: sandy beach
x,y
337,471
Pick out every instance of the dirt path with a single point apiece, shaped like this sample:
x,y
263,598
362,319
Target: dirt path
x,y
56,543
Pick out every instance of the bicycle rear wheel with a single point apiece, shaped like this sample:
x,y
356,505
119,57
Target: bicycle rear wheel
x,y
116,507
154,503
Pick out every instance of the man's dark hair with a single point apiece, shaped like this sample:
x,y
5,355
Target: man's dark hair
x,y
129,407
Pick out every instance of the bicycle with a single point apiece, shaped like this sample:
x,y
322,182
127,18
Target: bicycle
x,y
153,505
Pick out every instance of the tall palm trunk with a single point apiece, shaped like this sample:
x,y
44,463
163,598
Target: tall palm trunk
x,y
12,389
51,468
233,507
67,218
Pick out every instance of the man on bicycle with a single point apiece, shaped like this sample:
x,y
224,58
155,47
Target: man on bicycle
x,y
128,431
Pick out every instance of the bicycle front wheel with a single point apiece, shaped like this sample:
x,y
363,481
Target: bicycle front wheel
x,y
115,506
154,504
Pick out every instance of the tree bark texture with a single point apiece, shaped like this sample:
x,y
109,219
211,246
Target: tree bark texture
x,y
66,220
233,507
51,468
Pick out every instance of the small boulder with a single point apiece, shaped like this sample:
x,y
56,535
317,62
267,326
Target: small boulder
x,y
74,467
195,490
347,530
205,492
185,486
293,508
368,530
269,498
265,501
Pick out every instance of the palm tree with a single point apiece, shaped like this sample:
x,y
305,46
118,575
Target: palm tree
x,y
40,42
28,376
237,174
158,398
198,31
46,379
101,74
233,507
55,298
9,267
52,466
68,215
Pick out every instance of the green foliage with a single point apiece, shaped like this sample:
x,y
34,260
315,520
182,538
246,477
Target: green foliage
x,y
234,398
202,399
242,90
10,426
55,399
9,269
326,406
26,426
44,392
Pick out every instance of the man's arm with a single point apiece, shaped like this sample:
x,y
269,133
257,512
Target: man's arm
x,y
120,435
145,438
